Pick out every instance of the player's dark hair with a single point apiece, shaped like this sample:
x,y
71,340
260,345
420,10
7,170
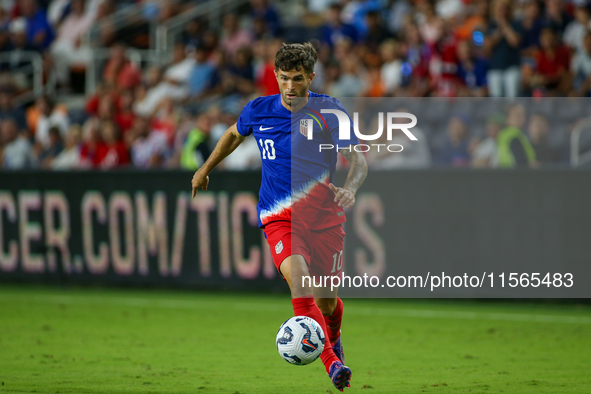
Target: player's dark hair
x,y
296,56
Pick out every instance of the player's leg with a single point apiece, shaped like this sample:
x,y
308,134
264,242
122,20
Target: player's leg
x,y
291,253
295,269
332,310
326,250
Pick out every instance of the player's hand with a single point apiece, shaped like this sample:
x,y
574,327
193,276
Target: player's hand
x,y
199,181
345,197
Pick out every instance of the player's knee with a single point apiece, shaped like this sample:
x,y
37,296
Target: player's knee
x,y
299,286
326,305
295,271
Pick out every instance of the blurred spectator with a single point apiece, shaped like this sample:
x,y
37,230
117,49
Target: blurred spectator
x,y
418,57
69,157
20,64
391,72
39,32
178,72
319,6
471,71
233,37
171,83
165,119
156,91
105,113
531,26
119,71
203,76
112,152
8,109
485,152
400,14
476,21
148,150
57,11
354,13
259,30
556,16
193,33
125,117
210,43
239,76
17,151
106,108
5,16
185,125
266,13
514,149
46,155
196,149
91,141
45,115
373,83
334,29
448,9
265,75
444,66
503,39
581,69
430,25
552,65
349,83
575,32
18,38
102,91
455,149
538,131
67,50
376,30
4,30
104,9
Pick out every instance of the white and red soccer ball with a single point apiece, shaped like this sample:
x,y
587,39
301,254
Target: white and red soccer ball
x,y
300,340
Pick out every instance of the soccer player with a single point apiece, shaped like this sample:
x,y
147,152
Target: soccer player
x,y
300,209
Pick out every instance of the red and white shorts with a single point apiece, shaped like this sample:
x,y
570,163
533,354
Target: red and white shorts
x,y
322,249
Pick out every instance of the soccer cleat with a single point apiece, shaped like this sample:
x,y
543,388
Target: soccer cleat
x,y
340,375
338,350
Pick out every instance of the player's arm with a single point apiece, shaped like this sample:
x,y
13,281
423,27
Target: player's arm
x,y
226,145
345,196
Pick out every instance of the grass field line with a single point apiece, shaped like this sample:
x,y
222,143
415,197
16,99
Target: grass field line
x,y
258,307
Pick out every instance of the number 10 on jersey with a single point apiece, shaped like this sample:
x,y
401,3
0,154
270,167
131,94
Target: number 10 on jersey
x,y
268,149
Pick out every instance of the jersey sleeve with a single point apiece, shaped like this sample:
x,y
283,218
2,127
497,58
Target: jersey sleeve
x,y
244,124
333,127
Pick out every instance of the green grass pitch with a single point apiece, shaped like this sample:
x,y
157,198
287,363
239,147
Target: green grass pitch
x,y
155,341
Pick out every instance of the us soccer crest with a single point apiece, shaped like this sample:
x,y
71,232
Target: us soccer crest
x,y
306,128
279,247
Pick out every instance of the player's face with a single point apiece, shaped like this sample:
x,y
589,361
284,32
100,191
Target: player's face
x,y
293,84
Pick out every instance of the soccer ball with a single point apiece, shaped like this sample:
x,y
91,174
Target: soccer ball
x,y
300,340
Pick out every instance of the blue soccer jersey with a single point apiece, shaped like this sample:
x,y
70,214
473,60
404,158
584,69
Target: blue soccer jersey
x,y
296,172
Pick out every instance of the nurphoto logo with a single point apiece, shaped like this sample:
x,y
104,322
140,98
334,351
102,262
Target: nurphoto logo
x,y
306,128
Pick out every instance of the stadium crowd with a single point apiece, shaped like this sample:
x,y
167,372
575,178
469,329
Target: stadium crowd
x,y
171,116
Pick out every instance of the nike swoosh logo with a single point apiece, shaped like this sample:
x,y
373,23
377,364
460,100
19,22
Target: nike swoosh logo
x,y
264,128
305,342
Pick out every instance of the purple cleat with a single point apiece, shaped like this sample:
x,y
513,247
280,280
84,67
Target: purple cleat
x,y
340,375
338,350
